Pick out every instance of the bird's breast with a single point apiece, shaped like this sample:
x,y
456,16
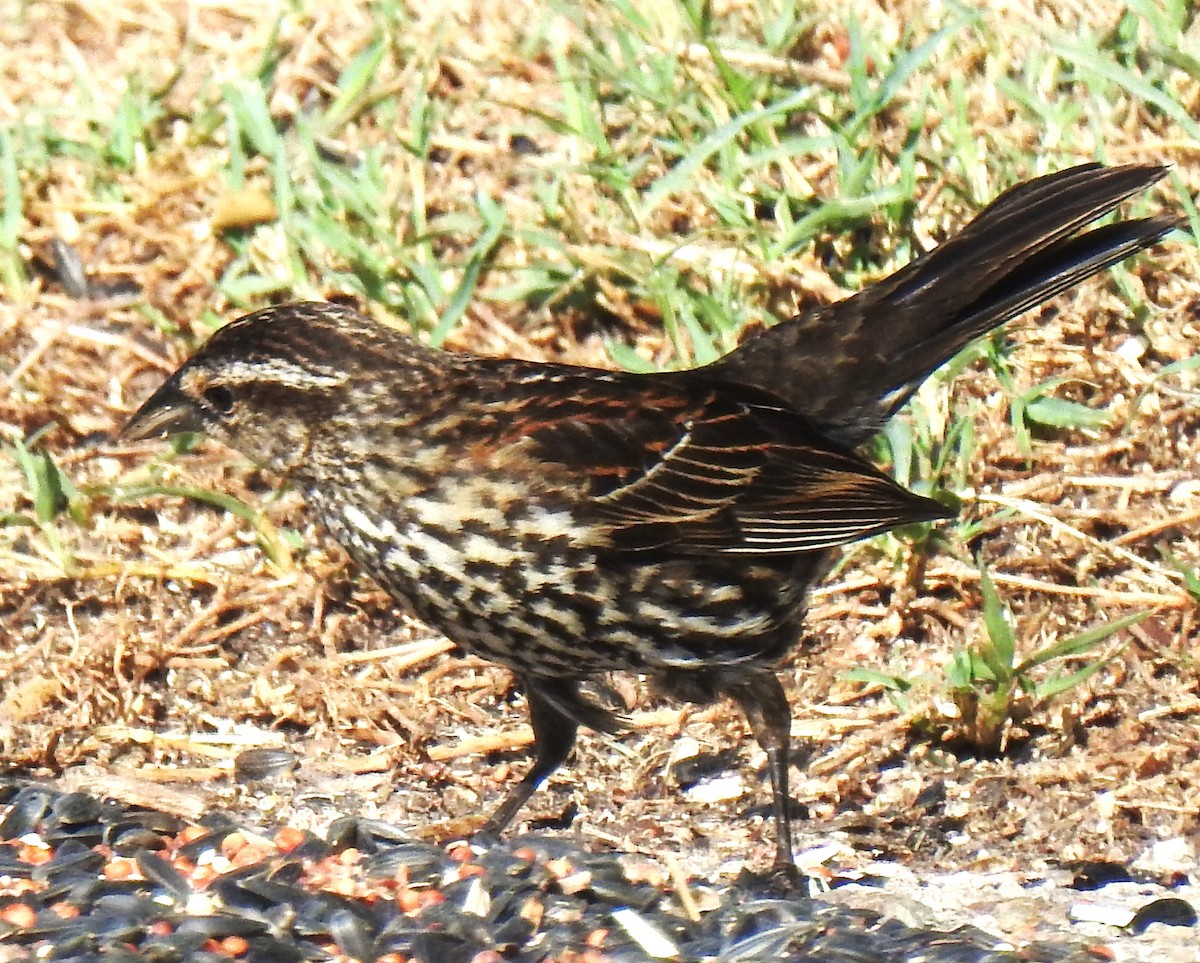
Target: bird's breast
x,y
519,577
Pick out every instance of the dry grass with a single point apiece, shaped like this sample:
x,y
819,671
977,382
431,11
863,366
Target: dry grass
x,y
627,218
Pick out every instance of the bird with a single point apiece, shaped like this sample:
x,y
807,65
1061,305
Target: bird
x,y
566,521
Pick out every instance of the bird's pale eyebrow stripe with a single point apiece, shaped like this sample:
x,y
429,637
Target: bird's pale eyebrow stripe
x,y
286,374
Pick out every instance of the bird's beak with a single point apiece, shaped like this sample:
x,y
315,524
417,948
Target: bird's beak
x,y
166,412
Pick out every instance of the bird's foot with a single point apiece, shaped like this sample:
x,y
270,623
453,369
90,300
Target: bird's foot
x,y
783,880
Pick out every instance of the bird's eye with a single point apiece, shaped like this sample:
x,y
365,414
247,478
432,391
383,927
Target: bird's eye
x,y
220,399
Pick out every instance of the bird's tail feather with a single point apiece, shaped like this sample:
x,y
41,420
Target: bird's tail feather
x,y
850,365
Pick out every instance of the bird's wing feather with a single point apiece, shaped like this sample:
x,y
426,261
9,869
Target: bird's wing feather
x,y
696,469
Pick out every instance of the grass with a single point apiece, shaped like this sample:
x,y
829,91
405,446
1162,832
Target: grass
x,y
990,688
604,183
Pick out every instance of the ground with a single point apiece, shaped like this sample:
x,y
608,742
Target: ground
x,y
591,184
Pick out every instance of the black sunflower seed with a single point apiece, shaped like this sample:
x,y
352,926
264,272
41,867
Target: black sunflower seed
x,y
255,765
158,870
28,808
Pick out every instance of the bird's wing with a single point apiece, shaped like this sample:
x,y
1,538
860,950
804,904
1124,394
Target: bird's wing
x,y
692,468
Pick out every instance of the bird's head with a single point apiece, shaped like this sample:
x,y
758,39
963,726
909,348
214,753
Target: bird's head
x,y
264,383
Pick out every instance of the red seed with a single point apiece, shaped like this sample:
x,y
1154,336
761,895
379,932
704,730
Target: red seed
x,y
232,844
34,855
65,911
460,852
190,834
430,897
288,839
119,868
21,915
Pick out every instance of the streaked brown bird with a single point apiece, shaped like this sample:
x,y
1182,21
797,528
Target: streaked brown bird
x,y
566,521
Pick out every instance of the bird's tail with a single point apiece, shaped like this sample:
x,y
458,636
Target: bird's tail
x,y
851,365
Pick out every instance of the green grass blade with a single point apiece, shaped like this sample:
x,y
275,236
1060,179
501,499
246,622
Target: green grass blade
x,y
1000,652
682,173
1078,644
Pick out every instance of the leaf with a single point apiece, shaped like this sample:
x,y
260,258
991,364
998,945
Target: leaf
x,y
354,83
893,683
269,540
11,211
1079,643
252,115
1060,413
1001,652
1090,62
494,220
50,489
1058,684
683,173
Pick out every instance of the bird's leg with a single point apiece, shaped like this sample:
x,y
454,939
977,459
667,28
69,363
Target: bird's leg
x,y
761,698
553,739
